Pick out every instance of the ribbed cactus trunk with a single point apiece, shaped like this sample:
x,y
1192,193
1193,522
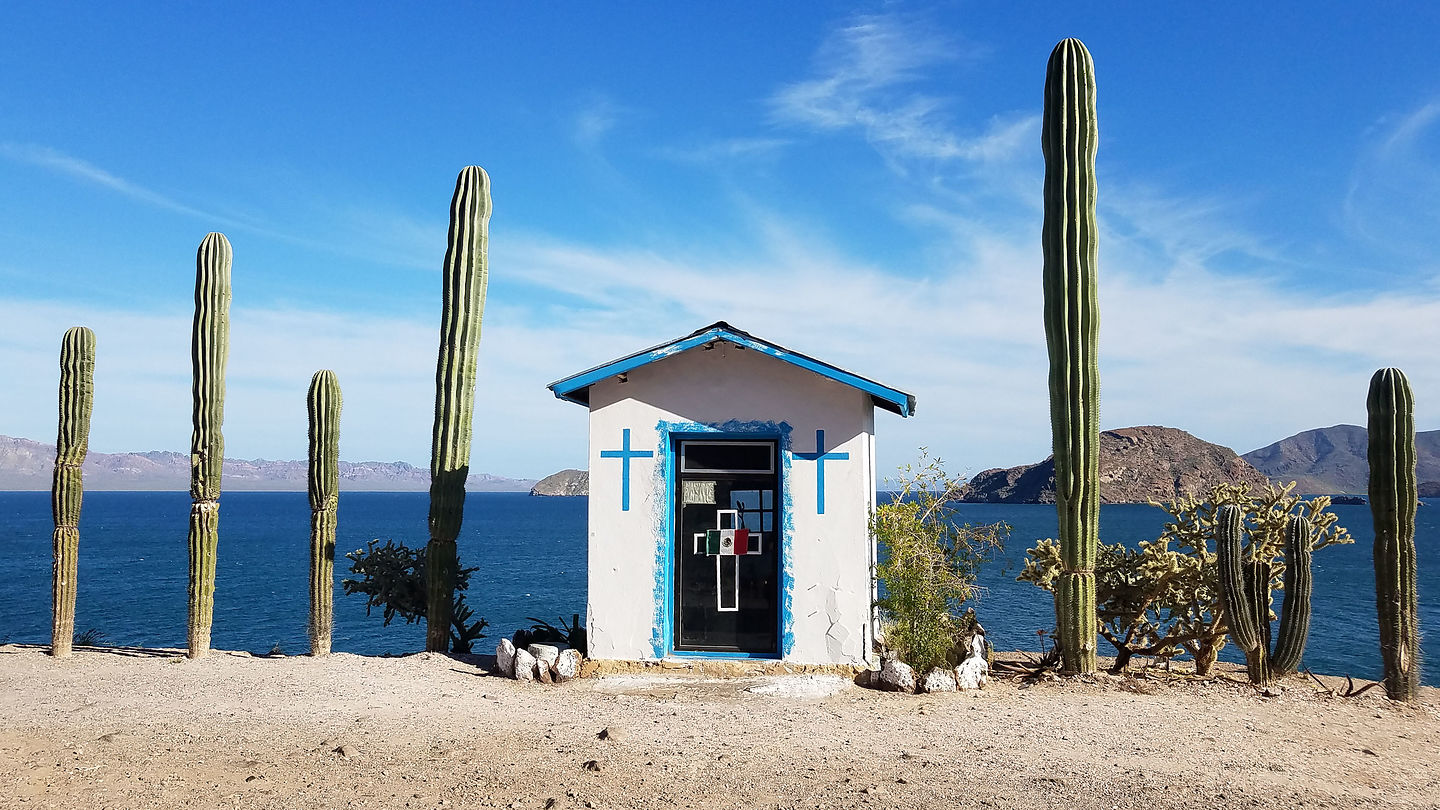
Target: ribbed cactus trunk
x,y
1072,327
77,388
209,349
465,276
1244,593
1393,499
323,404
1295,616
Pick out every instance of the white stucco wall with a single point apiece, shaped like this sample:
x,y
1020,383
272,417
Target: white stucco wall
x,y
830,556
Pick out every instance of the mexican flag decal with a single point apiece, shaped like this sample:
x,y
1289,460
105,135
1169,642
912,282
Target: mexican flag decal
x,y
728,540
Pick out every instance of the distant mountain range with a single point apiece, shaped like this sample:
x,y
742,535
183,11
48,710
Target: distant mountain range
x,y
29,465
1334,460
1136,464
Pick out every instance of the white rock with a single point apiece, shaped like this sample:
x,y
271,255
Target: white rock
x,y
566,666
505,657
524,666
544,653
973,672
939,680
896,676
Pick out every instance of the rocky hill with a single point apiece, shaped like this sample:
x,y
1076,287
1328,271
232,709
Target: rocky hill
x,y
1333,460
565,482
1137,464
29,465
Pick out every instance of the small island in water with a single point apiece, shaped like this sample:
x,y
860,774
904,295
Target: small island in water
x,y
565,482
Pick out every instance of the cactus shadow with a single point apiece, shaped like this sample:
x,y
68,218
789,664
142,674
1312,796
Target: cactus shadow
x,y
129,652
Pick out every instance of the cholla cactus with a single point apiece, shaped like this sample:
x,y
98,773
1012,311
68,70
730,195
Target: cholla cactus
x,y
77,388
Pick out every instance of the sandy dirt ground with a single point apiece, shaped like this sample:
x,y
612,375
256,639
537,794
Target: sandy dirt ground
x,y
125,728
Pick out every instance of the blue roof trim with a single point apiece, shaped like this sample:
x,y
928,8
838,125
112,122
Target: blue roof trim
x,y
576,388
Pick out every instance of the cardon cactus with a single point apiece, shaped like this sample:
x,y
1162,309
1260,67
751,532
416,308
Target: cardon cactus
x,y
77,387
1072,324
323,404
465,276
1393,499
209,349
1245,594
1295,615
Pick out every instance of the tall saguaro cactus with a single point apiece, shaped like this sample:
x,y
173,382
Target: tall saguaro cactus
x,y
1393,499
1072,326
209,349
323,404
466,272
77,388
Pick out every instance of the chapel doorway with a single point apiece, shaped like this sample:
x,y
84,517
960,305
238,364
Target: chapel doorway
x,y
727,549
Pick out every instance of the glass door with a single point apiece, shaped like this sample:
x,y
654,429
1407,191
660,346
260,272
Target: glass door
x,y
727,550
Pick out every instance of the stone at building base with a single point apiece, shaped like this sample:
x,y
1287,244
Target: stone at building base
x,y
524,666
974,671
505,658
896,676
545,654
567,665
939,680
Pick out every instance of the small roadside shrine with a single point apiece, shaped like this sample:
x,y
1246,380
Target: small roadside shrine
x,y
731,484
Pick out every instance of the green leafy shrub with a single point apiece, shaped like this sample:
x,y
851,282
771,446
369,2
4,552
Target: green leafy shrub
x,y
392,577
928,563
1163,597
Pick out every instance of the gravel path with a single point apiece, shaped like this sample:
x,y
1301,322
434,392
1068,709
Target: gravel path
x,y
148,728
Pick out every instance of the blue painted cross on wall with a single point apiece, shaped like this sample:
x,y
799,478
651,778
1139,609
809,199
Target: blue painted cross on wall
x,y
820,457
625,454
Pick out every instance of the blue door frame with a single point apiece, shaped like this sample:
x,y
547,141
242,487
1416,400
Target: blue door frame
x,y
668,438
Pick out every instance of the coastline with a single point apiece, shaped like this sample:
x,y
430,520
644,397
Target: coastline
x,y
128,727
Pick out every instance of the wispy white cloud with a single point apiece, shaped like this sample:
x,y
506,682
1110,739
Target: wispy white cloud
x,y
868,74
595,119
1238,360
54,160
1393,200
724,149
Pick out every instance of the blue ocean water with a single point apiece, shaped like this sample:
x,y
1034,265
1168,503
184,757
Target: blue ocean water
x,y
531,555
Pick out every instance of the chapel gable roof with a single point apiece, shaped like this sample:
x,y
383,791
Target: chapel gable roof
x,y
576,388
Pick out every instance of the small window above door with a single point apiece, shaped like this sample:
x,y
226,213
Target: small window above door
x,y
727,457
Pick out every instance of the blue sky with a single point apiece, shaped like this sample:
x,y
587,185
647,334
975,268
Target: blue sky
x,y
861,183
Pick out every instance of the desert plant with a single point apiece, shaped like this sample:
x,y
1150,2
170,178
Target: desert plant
x,y
465,276
1068,140
1393,499
1245,583
1162,597
928,563
94,637
77,389
323,404
571,634
209,350
392,577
